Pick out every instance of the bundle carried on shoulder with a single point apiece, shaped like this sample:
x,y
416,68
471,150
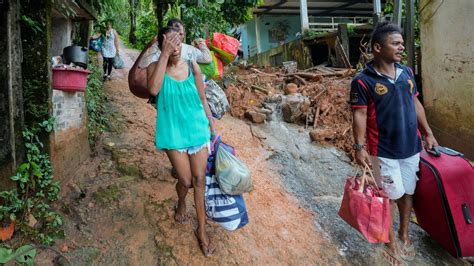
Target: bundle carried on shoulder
x,y
224,46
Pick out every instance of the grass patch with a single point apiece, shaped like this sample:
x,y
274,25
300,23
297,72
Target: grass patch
x,y
105,196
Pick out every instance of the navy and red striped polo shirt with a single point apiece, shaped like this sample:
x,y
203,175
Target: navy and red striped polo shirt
x,y
392,128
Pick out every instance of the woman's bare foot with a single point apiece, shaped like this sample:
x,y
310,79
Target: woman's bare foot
x,y
205,243
180,215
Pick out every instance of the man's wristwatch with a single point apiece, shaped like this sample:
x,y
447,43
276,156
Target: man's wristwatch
x,y
358,147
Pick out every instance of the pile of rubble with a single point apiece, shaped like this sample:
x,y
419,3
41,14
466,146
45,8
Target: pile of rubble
x,y
316,98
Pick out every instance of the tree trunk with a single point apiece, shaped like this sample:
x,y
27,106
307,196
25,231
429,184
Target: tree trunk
x,y
132,38
161,7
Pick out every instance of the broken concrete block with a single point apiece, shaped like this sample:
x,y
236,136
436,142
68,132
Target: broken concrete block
x,y
322,134
294,108
291,88
255,117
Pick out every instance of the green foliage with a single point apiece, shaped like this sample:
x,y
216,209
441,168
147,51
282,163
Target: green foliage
x,y
65,7
389,8
200,21
197,19
23,255
35,108
115,11
309,34
36,190
147,28
97,112
10,205
351,29
33,24
239,12
216,16
35,63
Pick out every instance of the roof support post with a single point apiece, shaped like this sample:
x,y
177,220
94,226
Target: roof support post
x,y
377,11
257,34
410,32
397,12
304,16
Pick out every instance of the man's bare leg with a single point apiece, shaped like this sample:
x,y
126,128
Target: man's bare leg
x,y
405,205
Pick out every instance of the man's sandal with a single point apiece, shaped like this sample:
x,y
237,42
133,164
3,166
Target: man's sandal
x,y
206,250
407,251
392,258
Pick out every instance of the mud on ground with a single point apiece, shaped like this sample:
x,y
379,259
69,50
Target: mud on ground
x,y
118,208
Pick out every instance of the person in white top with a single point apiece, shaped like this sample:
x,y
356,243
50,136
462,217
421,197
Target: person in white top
x,y
188,52
137,76
110,48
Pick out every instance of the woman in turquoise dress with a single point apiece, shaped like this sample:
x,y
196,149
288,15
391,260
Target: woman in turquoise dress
x,y
184,125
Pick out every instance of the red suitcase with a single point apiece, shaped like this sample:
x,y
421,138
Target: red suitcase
x,y
444,200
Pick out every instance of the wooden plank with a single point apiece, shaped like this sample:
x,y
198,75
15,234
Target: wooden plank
x,y
343,34
340,51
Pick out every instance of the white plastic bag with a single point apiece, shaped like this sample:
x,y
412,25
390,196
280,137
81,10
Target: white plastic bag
x,y
216,99
233,176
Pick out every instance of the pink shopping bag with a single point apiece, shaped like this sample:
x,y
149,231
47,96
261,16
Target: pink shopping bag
x,y
366,209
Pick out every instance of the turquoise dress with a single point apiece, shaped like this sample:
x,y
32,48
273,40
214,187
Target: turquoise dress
x,y
181,121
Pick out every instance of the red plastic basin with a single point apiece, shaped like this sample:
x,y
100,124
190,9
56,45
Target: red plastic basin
x,y
70,79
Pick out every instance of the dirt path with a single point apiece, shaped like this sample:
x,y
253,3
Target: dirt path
x,y
119,206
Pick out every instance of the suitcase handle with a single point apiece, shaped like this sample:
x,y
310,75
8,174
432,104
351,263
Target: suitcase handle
x,y
434,152
467,214
449,151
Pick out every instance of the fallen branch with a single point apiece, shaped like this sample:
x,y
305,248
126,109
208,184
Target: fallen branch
x,y
304,75
262,73
255,87
243,82
327,110
320,93
346,130
300,79
316,116
311,68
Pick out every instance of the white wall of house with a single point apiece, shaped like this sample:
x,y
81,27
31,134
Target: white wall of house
x,y
447,39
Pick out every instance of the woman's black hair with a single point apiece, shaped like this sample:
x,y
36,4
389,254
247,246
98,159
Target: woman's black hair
x,y
382,30
174,22
162,33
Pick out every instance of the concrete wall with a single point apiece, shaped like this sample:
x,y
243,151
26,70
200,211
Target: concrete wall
x,y
447,38
11,94
69,148
292,51
268,26
70,144
61,35
69,109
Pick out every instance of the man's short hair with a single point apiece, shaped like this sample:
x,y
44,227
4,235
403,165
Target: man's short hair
x,y
382,30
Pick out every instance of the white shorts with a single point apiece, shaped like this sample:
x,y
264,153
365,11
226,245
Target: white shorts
x,y
396,176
